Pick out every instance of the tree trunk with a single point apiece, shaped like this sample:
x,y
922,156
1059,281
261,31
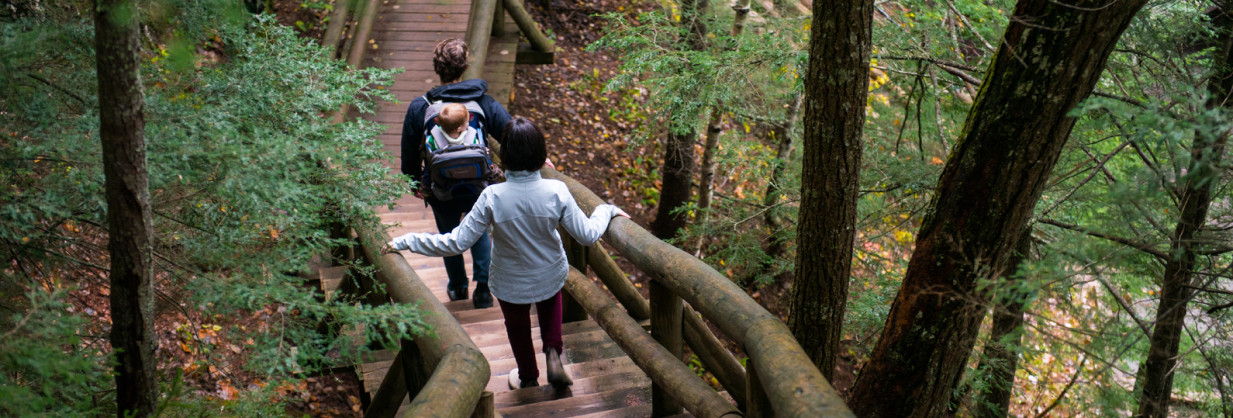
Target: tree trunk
x,y
783,152
709,147
675,192
999,359
836,87
679,148
128,205
1196,197
707,179
1049,59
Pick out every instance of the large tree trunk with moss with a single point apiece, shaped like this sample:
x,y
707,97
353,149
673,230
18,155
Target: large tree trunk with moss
x,y
1195,198
678,168
1049,59
1000,359
836,87
128,205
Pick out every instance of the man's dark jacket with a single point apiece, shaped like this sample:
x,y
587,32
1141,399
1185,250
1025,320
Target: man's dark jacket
x,y
413,151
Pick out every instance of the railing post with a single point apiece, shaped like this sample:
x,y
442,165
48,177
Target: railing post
x,y
571,310
758,405
415,373
486,407
392,392
666,309
479,30
498,20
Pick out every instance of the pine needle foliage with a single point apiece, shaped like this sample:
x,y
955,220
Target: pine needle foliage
x,y
247,170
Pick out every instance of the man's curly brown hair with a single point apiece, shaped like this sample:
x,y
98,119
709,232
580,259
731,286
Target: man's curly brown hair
x,y
449,59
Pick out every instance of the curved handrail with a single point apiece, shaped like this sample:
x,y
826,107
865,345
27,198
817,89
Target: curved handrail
x,y
527,25
459,371
661,366
793,384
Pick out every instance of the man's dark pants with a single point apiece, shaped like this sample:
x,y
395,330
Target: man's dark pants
x,y
449,215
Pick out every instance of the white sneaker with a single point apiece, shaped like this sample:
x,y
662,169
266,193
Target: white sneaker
x,y
514,383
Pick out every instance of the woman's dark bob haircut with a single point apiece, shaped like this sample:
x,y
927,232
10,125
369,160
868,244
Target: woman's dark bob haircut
x,y
522,146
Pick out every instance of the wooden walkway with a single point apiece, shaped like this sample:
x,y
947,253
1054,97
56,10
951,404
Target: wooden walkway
x,y
606,382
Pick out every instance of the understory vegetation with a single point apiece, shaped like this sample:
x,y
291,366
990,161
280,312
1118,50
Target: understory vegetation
x,y
1100,236
243,154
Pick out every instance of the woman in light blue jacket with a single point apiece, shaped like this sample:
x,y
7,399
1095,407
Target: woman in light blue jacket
x,y
528,260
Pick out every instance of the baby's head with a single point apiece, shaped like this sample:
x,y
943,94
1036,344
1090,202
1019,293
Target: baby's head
x,y
522,146
453,119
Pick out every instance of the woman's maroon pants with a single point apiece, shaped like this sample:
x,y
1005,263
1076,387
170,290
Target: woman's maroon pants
x,y
518,328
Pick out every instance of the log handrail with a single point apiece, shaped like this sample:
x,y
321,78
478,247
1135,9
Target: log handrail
x,y
664,368
717,359
486,17
527,26
792,383
459,371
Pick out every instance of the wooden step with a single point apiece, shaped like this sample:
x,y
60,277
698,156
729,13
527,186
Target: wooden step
x,y
331,280
582,404
593,368
573,354
547,393
499,338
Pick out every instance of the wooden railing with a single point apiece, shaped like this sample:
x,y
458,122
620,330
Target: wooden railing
x,y
779,380
487,19
443,370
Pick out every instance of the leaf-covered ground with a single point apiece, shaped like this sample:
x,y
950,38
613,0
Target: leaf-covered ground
x,y
590,131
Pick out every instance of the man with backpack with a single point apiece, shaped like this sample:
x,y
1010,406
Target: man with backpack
x,y
452,172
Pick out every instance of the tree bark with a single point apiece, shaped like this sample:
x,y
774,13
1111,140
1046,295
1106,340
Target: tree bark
x,y
1050,58
676,189
1206,154
122,130
706,180
709,147
999,359
836,88
679,152
783,152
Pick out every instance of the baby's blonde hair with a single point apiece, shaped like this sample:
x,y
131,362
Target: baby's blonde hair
x,y
453,119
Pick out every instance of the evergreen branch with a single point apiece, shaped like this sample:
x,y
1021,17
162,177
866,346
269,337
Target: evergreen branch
x,y
1217,308
1220,248
1062,395
1123,99
1208,290
1100,166
1149,162
970,27
58,88
961,71
1141,246
934,61
1147,329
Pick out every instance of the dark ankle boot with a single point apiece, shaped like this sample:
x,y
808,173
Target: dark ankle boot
x,y
481,299
456,294
556,371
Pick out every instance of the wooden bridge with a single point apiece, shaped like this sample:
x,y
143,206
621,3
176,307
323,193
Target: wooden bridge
x,y
619,368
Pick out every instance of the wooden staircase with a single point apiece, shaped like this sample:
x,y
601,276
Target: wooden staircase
x,y
606,382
